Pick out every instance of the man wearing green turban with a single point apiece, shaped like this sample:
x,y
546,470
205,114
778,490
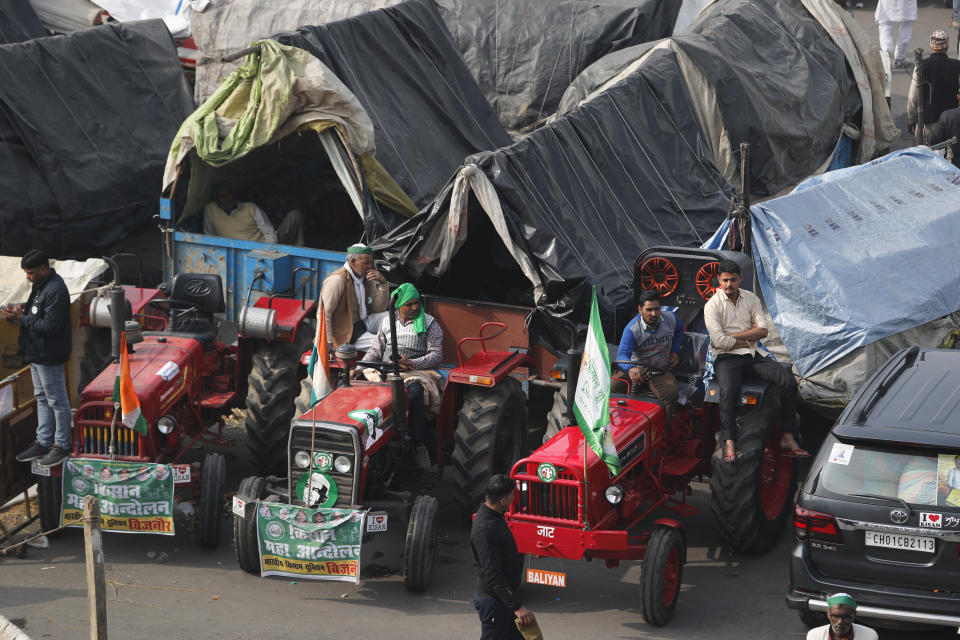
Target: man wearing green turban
x,y
841,608
420,347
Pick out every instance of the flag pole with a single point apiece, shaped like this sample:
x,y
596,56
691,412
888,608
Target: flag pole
x,y
586,488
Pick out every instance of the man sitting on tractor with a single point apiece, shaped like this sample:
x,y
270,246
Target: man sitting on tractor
x,y
225,217
653,339
735,322
355,300
420,347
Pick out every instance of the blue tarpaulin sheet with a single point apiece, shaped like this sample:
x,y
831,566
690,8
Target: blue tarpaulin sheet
x,y
858,254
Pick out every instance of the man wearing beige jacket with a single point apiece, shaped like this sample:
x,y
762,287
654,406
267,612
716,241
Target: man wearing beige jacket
x,y
355,300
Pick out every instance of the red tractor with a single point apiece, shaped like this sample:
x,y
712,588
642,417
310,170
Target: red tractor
x,y
480,429
186,378
568,508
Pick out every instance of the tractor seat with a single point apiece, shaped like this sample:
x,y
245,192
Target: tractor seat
x,y
204,293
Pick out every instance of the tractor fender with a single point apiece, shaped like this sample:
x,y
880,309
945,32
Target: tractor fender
x,y
290,315
678,526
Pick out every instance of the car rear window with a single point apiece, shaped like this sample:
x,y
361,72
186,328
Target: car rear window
x,y
920,478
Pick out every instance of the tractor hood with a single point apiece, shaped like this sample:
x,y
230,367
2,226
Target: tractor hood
x,y
161,373
636,425
359,397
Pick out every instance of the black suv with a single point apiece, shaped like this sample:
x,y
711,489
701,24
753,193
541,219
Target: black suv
x,y
878,516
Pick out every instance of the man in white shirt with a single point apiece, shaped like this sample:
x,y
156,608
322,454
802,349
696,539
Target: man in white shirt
x,y
840,613
734,319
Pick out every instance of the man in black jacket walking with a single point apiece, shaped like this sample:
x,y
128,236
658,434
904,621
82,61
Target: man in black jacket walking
x,y
501,565
948,126
934,86
45,345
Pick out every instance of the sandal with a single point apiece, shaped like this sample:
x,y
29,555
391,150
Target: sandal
x,y
796,453
732,457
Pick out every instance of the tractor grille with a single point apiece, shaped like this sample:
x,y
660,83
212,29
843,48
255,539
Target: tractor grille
x,y
93,433
554,500
335,439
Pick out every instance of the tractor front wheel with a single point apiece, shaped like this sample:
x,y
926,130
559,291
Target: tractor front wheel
x,y
50,499
488,438
751,497
272,388
661,575
420,545
212,478
557,418
245,543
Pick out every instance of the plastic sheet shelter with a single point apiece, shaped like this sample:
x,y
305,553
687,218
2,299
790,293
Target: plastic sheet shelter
x,y
577,200
85,123
19,22
788,77
860,254
427,111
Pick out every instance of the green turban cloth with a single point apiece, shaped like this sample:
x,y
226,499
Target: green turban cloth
x,y
404,294
842,598
359,249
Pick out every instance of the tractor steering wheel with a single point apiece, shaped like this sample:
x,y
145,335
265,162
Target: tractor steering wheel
x,y
634,389
175,309
382,366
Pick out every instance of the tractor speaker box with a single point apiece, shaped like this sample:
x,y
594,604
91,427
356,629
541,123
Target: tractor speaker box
x,y
685,278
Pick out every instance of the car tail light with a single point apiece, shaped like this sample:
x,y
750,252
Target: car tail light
x,y
813,525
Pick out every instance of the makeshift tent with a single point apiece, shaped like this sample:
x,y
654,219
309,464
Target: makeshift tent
x,y
85,124
788,78
860,254
522,53
428,113
577,201
18,22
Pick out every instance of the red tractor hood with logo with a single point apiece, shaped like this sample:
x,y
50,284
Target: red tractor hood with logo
x,y
359,396
161,371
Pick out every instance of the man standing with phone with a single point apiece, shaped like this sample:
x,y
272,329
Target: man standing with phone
x,y
45,345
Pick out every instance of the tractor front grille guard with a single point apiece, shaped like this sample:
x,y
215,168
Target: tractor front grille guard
x,y
91,428
557,502
336,440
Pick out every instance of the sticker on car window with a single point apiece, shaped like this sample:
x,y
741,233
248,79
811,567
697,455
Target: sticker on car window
x,y
841,453
948,474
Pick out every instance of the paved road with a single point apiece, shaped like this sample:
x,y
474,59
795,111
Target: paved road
x,y
204,593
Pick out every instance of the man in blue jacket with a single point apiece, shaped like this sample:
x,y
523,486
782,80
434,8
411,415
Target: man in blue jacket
x,y
45,345
652,339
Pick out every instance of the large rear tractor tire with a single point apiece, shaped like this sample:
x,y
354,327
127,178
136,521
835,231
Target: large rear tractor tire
x,y
751,498
272,389
662,575
245,543
420,546
213,475
557,419
488,438
50,499
96,354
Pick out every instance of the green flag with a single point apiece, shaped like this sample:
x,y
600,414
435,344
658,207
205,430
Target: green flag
x,y
591,403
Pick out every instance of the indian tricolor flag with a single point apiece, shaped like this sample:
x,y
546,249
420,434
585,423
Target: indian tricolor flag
x,y
124,391
319,368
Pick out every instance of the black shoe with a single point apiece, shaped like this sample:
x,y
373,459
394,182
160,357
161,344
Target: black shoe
x,y
55,457
34,451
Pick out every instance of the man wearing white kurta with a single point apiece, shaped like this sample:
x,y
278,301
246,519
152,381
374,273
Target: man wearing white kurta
x,y
896,16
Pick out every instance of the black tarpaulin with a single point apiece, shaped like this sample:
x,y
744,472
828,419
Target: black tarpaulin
x,y
782,85
86,122
428,112
18,22
584,195
525,53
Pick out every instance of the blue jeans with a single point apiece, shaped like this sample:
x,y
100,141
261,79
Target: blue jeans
x,y
496,620
956,10
53,405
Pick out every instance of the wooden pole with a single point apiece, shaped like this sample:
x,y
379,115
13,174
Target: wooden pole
x,y
96,585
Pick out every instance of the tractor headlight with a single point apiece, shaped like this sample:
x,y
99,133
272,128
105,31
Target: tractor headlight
x,y
166,425
342,464
302,459
613,494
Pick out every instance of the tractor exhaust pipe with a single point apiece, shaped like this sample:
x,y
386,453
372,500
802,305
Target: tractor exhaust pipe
x,y
399,394
117,308
573,372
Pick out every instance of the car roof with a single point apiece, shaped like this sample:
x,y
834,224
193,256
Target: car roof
x,y
913,398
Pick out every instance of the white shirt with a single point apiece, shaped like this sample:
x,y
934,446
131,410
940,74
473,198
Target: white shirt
x,y
722,317
259,217
953,478
896,11
860,632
